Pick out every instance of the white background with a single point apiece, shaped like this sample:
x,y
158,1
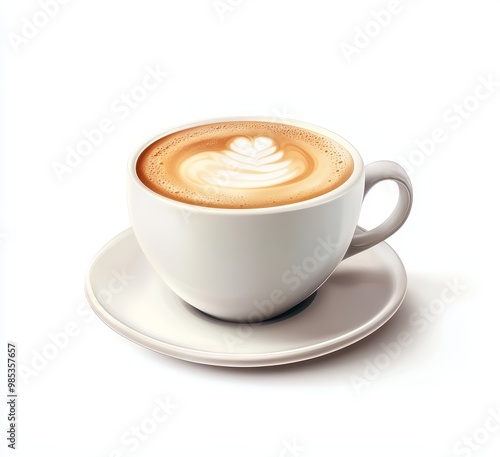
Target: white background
x,y
253,57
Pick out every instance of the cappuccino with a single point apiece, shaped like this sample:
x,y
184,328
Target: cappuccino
x,y
244,164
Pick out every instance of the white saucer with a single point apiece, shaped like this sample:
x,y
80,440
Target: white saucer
x,y
364,292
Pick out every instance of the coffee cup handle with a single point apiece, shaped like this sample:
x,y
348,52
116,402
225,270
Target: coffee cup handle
x,y
374,173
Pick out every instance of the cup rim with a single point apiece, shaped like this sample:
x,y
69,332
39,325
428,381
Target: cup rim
x,y
356,174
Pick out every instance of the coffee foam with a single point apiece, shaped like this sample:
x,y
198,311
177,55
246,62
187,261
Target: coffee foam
x,y
244,164
248,163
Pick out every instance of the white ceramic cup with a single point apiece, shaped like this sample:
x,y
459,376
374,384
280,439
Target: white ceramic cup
x,y
248,265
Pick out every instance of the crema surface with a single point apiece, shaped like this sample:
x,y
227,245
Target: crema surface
x,y
244,164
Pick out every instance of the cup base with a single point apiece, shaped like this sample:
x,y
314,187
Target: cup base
x,y
297,309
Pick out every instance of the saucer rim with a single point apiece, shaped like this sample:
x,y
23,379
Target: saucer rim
x,y
228,359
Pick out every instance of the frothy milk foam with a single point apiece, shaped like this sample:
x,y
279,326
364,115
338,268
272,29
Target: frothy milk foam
x,y
244,164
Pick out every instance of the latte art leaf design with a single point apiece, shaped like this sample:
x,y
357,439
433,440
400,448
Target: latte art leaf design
x,y
248,163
